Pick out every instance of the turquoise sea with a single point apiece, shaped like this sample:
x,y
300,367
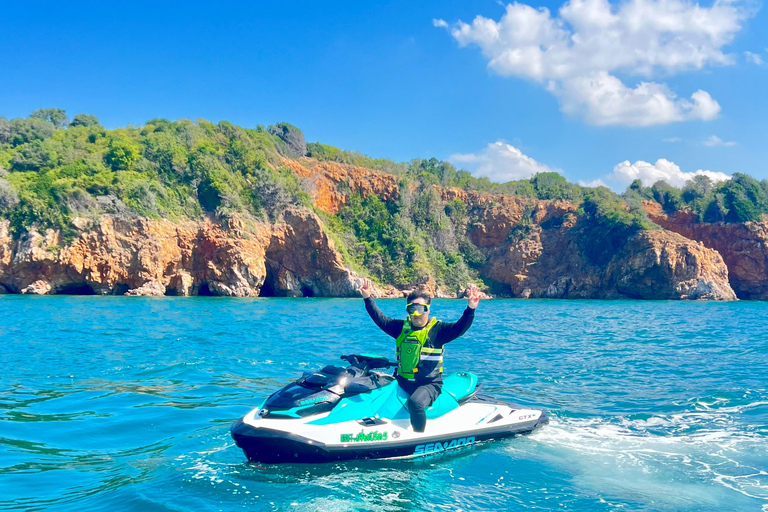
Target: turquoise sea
x,y
118,403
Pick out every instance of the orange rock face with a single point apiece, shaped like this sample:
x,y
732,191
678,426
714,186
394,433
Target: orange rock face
x,y
550,262
743,247
152,257
327,178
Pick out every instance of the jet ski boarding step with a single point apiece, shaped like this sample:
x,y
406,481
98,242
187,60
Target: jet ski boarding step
x,y
370,422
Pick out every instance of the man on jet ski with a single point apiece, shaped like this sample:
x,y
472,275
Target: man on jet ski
x,y
419,345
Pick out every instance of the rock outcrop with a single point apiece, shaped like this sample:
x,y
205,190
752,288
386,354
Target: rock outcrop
x,y
157,257
532,248
550,262
743,247
535,248
331,182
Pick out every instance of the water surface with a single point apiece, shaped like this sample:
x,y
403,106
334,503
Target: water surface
x,y
117,403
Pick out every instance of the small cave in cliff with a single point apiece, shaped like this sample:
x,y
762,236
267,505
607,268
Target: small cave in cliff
x,y
204,290
170,292
268,288
120,289
76,289
306,291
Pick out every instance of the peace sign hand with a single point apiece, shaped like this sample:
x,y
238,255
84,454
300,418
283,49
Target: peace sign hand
x,y
365,287
473,296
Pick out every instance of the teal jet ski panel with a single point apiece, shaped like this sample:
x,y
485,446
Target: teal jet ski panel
x,y
378,402
444,404
365,405
460,385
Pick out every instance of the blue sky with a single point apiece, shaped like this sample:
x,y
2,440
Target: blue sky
x,y
407,80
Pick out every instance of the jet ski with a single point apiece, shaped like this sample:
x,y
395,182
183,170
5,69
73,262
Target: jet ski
x,y
356,412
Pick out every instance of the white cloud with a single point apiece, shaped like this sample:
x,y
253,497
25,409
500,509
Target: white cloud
x,y
754,58
440,23
714,141
602,99
625,173
500,162
593,184
575,53
673,139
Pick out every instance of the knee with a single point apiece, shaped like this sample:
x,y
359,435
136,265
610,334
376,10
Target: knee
x,y
415,404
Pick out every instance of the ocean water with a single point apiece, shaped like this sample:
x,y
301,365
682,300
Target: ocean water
x,y
118,403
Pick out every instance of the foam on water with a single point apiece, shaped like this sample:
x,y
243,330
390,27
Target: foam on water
x,y
680,459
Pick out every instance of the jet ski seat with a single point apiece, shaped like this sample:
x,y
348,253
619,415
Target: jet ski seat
x,y
333,370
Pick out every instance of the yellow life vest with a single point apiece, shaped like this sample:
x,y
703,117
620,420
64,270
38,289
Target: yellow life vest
x,y
413,356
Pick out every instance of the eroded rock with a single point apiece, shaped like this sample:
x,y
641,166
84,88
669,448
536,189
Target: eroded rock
x,y
157,257
743,246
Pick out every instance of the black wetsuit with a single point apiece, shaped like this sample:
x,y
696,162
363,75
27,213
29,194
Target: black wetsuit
x,y
422,391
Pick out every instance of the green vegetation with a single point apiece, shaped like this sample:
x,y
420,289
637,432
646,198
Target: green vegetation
x,y
740,199
608,221
326,153
402,242
53,169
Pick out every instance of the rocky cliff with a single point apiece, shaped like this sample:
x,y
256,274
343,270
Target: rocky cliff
x,y
532,248
548,258
156,257
743,247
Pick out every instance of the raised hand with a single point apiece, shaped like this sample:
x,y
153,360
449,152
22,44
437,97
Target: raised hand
x,y
365,287
473,296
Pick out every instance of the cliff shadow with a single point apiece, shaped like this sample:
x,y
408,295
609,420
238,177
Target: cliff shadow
x,y
76,289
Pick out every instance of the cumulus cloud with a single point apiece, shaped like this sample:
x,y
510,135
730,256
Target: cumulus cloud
x,y
602,99
715,141
576,54
593,184
440,23
500,162
754,58
625,173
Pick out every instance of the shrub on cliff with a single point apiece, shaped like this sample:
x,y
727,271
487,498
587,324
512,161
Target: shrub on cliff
x,y
9,198
607,223
381,244
326,153
744,198
739,199
86,120
56,116
697,194
406,241
294,145
5,131
554,186
23,131
122,152
434,171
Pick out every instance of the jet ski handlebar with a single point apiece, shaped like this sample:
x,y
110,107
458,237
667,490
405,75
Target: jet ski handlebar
x,y
368,361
